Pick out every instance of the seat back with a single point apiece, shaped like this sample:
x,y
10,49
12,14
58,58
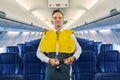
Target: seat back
x,y
93,47
10,64
106,47
118,63
85,67
23,49
33,68
12,49
107,61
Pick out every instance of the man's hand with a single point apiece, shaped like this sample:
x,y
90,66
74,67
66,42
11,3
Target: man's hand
x,y
69,60
54,62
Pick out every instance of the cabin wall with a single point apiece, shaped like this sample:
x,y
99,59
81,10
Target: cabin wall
x,y
106,36
13,38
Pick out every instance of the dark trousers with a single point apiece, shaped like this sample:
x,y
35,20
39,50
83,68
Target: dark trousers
x,y
61,73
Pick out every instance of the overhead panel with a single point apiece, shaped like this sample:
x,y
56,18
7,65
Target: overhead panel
x,y
58,3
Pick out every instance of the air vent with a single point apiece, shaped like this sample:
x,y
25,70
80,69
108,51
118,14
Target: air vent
x,y
2,14
58,3
113,11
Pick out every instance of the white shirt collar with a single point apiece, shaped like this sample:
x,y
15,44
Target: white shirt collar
x,y
56,30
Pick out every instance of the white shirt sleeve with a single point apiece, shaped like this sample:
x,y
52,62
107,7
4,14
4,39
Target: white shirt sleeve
x,y
78,49
42,56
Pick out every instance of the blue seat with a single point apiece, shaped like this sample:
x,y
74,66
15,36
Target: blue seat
x,y
108,64
34,43
12,49
118,63
11,66
23,49
1,65
98,44
83,42
85,67
33,68
108,76
107,61
12,77
93,47
106,47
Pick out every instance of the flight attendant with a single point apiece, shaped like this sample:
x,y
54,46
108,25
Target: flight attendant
x,y
59,49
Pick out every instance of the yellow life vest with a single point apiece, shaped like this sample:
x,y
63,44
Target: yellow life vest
x,y
65,42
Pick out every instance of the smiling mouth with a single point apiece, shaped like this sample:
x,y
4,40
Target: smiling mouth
x,y
58,25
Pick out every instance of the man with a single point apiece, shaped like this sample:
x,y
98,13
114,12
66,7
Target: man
x,y
59,49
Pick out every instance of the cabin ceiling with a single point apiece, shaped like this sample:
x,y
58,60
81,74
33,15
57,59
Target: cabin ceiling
x,y
38,12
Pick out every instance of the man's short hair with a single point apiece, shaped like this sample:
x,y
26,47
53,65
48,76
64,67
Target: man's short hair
x,y
55,11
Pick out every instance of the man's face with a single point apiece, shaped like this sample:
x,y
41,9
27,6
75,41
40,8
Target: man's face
x,y
57,19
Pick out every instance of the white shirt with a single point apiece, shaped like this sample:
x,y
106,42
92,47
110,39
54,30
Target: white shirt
x,y
76,54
